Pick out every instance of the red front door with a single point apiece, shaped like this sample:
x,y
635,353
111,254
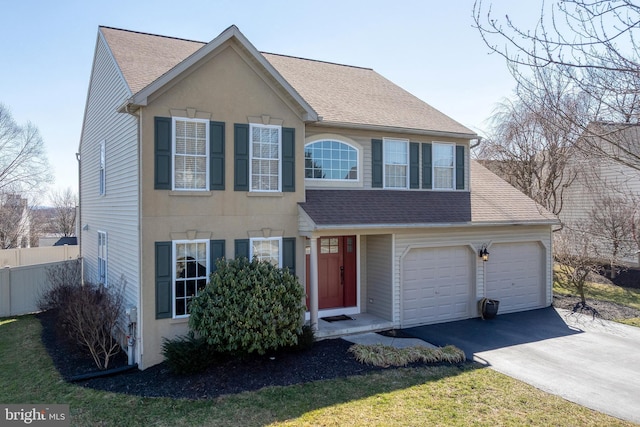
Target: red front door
x,y
336,272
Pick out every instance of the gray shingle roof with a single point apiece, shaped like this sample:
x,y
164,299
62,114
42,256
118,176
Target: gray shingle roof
x,y
494,200
339,93
386,207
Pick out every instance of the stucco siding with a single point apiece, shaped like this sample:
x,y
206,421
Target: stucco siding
x,y
224,87
115,212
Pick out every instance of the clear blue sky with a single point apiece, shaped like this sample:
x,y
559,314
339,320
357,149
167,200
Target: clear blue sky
x,y
428,47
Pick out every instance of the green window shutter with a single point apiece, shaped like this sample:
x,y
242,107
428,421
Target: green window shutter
x,y
242,248
216,155
426,166
163,280
459,167
414,165
162,150
217,251
376,163
288,159
289,253
241,157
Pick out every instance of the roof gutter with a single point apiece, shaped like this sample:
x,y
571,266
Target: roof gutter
x,y
317,227
395,129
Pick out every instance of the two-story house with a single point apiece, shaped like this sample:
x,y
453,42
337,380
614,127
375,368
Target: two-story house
x,y
194,151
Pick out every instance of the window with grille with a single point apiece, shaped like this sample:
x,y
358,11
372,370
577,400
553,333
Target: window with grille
x,y
443,166
267,249
190,154
265,151
396,163
191,262
102,257
102,168
331,160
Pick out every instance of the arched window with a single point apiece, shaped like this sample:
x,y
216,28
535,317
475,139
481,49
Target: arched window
x,y
330,159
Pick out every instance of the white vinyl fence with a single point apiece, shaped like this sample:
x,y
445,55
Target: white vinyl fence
x,y
32,256
21,287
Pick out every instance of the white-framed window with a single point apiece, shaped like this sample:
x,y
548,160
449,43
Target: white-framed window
x,y
330,160
265,151
102,257
191,261
396,163
102,168
443,166
190,154
267,249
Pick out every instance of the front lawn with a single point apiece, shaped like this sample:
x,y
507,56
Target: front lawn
x,y
443,395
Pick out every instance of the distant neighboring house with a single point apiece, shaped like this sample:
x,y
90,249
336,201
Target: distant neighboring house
x,y
194,151
15,223
57,241
606,174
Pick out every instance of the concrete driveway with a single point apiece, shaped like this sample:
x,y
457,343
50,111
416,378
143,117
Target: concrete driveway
x,y
592,362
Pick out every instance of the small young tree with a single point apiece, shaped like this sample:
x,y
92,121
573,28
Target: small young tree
x,y
249,306
573,250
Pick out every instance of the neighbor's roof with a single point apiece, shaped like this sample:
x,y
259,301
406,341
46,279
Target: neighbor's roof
x,y
491,201
340,94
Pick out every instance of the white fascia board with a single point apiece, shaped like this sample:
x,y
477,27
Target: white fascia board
x,y
317,227
395,129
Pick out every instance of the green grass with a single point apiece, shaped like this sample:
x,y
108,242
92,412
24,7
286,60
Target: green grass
x,y
442,395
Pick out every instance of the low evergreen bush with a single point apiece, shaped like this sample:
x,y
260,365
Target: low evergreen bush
x,y
187,354
249,306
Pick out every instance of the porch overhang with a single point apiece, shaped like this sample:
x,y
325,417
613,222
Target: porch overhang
x,y
376,209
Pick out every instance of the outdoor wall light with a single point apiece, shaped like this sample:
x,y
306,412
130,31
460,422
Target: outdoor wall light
x,y
484,253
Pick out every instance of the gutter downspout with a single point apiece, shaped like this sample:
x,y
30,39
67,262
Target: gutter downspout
x,y
79,218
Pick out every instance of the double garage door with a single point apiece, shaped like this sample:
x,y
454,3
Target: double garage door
x,y
439,284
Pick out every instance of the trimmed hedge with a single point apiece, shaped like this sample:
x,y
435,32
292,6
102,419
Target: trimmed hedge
x,y
249,306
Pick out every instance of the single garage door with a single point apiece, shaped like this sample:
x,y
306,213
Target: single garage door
x,y
515,276
437,285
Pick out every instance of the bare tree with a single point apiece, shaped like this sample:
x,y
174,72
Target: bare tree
x,y
64,205
611,225
530,152
23,161
591,46
573,250
14,221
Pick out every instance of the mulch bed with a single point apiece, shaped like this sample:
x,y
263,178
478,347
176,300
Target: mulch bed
x,y
327,359
602,309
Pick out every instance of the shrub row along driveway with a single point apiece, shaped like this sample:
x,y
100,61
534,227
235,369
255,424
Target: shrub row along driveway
x,y
593,362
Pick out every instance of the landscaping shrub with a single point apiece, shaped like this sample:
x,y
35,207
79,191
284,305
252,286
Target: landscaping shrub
x,y
87,314
62,280
249,306
187,354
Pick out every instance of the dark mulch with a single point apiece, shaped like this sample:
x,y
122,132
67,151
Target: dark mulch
x,y
602,309
327,359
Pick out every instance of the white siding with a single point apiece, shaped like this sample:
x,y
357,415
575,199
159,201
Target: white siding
x,y
379,276
115,213
595,179
474,237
